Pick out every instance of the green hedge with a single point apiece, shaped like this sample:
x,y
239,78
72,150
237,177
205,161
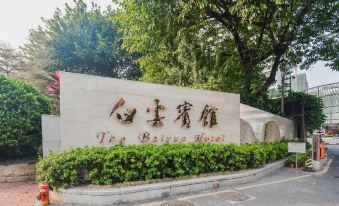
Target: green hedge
x,y
106,166
21,106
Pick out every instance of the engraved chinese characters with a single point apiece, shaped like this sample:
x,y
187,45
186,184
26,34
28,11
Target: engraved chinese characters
x,y
157,121
183,114
209,116
126,118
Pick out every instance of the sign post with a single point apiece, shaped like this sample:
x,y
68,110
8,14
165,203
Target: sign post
x,y
296,147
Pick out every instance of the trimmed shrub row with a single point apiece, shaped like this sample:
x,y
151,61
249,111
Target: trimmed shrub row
x,y
106,166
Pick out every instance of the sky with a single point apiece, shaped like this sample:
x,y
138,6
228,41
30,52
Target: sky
x,y
17,17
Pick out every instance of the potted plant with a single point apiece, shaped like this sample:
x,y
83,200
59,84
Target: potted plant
x,y
291,161
298,159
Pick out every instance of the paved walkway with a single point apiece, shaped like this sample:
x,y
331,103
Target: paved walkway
x,y
17,194
285,187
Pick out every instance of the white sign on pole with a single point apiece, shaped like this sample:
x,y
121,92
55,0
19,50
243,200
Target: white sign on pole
x,y
297,147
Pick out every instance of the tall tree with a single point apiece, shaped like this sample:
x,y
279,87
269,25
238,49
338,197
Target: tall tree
x,y
235,46
38,57
11,60
37,51
81,40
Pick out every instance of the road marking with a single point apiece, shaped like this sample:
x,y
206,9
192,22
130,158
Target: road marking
x,y
271,183
159,203
202,195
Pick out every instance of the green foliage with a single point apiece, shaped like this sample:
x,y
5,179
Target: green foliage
x,y
314,109
263,103
106,166
21,106
227,45
11,60
81,40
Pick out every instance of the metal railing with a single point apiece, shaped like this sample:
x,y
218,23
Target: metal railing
x,y
330,95
325,90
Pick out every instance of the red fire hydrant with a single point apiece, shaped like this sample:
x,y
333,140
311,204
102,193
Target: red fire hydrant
x,y
44,193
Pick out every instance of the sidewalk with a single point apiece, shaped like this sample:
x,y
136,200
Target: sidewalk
x,y
18,193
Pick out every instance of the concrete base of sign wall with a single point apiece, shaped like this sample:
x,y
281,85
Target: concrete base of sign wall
x,y
149,192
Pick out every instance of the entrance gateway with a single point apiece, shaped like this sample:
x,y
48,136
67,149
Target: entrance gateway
x,y
101,111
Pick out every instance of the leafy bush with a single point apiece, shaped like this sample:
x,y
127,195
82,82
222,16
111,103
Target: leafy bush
x,y
21,106
105,166
314,109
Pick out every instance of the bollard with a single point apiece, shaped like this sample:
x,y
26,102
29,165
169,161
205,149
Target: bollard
x,y
322,150
308,163
44,194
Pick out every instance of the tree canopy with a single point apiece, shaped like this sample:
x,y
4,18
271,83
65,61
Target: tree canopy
x,y
234,46
11,59
81,40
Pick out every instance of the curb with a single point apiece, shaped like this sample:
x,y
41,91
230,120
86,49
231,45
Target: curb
x,y
151,192
325,167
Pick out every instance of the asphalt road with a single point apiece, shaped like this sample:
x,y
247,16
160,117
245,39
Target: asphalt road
x,y
285,187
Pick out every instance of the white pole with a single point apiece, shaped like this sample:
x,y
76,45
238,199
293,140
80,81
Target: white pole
x,y
296,164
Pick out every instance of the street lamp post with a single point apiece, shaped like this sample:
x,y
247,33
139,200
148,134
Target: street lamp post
x,y
286,82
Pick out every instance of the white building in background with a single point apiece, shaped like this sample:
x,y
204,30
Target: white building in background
x,y
299,82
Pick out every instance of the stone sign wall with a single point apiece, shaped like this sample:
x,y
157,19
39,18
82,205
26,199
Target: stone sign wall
x,y
260,126
98,111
